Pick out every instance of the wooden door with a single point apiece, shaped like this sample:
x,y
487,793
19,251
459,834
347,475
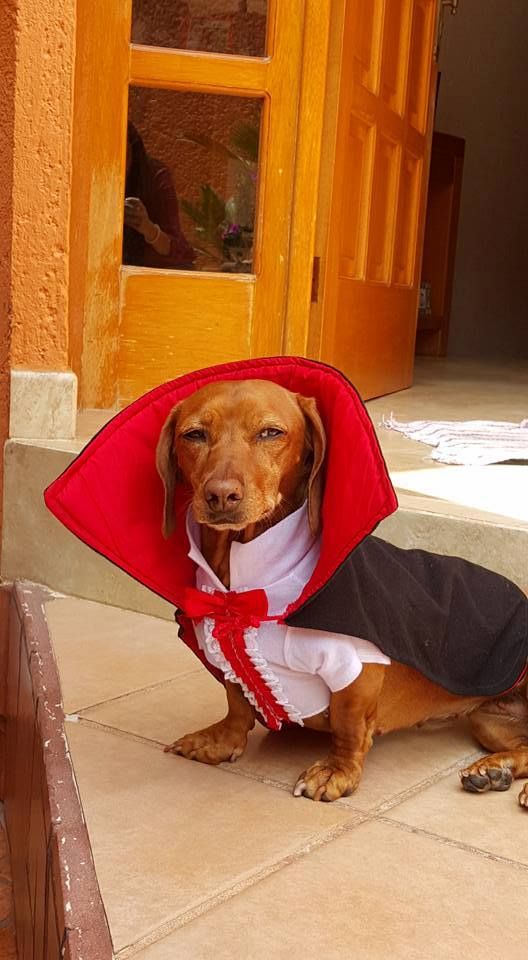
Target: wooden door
x,y
195,76
378,192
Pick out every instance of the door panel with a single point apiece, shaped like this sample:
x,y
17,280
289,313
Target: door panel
x,y
168,340
135,325
171,324
384,124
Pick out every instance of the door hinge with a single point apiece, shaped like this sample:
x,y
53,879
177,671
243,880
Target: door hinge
x,y
316,268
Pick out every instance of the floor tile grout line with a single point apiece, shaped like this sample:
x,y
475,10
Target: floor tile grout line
x,y
224,767
230,768
358,818
379,808
230,892
451,842
106,728
158,684
256,778
424,784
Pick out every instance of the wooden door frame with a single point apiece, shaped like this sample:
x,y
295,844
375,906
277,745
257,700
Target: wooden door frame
x,y
326,179
102,74
100,104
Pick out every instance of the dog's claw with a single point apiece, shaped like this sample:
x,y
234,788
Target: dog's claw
x,y
326,780
523,797
214,745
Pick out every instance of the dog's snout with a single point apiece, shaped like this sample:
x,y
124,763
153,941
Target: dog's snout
x,y
223,496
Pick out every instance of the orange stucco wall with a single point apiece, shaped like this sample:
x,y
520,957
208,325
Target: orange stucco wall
x,y
44,55
7,86
36,75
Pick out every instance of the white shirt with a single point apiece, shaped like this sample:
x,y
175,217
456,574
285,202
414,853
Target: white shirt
x,y
301,667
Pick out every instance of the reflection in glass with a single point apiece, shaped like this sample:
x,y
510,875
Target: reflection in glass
x,y
152,235
213,26
191,180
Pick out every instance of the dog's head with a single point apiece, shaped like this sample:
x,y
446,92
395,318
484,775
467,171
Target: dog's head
x,y
250,450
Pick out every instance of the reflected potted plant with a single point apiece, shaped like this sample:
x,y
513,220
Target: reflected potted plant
x,y
225,227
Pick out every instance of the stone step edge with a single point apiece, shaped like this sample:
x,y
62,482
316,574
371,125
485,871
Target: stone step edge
x,y
38,770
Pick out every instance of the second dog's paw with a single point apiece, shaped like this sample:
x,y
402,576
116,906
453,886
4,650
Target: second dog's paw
x,y
327,780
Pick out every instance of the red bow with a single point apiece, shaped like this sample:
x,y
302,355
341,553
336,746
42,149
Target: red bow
x,y
233,613
242,610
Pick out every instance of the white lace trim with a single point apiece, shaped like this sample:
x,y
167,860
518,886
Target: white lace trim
x,y
252,649
270,679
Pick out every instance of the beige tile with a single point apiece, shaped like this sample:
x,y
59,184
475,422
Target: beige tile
x,y
491,821
456,388
377,892
396,762
104,652
166,712
167,834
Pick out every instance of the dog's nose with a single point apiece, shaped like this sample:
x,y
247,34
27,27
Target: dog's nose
x,y
223,496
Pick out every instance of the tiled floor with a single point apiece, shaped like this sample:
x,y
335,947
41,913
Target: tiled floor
x,y
200,862
8,949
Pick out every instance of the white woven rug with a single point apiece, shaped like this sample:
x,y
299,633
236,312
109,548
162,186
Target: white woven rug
x,y
471,442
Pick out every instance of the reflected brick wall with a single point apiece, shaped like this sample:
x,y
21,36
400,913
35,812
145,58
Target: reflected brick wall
x,y
220,26
163,116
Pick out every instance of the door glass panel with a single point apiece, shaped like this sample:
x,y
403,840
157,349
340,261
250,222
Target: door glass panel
x,y
213,26
191,183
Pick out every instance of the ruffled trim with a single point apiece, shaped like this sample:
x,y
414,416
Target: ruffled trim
x,y
270,679
261,665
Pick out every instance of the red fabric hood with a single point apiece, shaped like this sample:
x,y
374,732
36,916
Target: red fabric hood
x,y
111,496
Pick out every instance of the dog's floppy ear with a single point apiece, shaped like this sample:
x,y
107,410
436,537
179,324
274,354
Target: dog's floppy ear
x,y
168,469
317,447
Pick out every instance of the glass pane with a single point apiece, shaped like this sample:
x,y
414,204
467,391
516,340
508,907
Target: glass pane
x,y
213,26
191,181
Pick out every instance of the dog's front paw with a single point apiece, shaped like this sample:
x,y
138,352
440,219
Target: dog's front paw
x,y
214,744
327,780
523,797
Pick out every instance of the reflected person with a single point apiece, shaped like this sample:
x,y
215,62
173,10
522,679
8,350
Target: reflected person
x,y
152,235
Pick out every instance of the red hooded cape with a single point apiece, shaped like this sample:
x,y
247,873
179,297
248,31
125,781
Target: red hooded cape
x,y
111,496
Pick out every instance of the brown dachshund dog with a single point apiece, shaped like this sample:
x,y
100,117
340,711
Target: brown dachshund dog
x,y
240,488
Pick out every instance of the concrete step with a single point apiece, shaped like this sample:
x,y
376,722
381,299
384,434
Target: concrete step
x,y
38,548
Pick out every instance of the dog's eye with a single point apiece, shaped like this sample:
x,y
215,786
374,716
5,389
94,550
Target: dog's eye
x,y
196,436
270,433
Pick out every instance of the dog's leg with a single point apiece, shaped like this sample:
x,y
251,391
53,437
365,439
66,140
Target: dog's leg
x,y
352,722
500,725
225,740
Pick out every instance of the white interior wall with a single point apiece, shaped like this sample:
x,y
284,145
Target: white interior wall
x,y
483,98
